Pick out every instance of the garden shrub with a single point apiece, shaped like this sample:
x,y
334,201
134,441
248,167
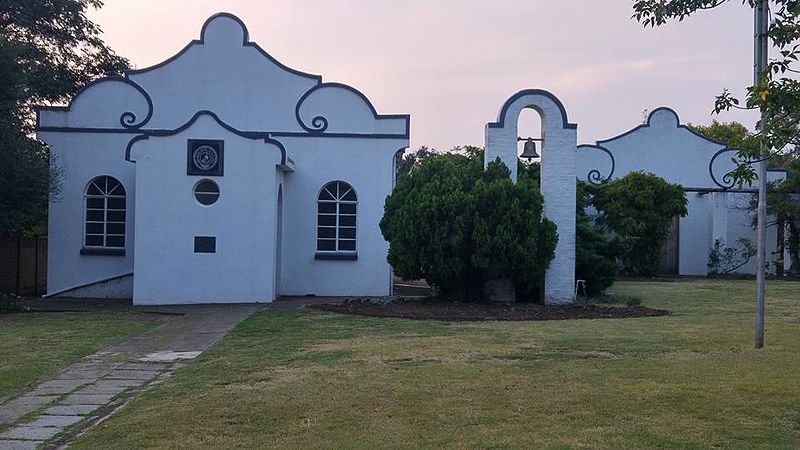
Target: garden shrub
x,y
10,303
597,253
457,226
724,259
639,207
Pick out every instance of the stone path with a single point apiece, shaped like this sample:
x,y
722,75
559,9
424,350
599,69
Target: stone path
x,y
113,376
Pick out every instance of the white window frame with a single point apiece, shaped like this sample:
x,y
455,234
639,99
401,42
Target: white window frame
x,y
338,201
101,182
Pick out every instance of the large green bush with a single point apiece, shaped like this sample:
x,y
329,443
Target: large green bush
x,y
457,226
639,207
598,254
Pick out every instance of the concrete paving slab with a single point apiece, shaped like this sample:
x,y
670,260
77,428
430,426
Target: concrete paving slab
x,y
69,384
50,391
86,399
70,410
53,421
111,383
144,366
18,445
131,375
93,389
81,374
170,356
12,410
31,433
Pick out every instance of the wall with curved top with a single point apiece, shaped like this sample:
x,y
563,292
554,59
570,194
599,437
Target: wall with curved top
x,y
558,152
329,131
671,150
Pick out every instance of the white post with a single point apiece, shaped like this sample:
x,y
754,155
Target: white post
x,y
559,152
761,53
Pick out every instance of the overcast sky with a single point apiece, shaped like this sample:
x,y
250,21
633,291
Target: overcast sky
x,y
451,64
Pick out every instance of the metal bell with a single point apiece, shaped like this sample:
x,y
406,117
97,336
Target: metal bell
x,y
529,151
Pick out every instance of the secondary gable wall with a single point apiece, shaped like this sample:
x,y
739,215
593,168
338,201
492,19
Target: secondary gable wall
x,y
672,151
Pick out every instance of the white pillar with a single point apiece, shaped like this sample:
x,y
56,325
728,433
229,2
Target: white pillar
x,y
558,172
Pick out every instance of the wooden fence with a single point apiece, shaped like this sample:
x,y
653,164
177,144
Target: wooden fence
x,y
23,265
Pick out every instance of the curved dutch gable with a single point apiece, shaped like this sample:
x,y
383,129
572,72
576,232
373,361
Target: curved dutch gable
x,y
227,74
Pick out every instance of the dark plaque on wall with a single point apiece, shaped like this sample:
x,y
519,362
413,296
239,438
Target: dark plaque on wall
x,y
205,157
205,244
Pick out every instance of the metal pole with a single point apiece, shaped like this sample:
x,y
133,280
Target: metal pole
x,y
761,54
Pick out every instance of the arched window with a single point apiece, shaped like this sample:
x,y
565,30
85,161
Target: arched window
x,y
105,213
336,218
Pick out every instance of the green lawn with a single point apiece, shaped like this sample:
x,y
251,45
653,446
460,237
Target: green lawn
x,y
305,379
35,346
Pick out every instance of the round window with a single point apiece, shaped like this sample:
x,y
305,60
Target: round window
x,y
206,192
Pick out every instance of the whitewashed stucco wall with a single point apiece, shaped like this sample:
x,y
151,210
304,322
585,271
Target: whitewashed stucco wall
x,y
367,166
167,270
80,158
558,149
236,91
665,147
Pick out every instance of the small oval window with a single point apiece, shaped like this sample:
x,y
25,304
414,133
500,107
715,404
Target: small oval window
x,y
206,192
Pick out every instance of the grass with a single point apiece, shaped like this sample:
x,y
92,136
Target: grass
x,y
305,378
35,346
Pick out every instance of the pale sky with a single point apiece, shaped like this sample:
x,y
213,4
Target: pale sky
x,y
451,64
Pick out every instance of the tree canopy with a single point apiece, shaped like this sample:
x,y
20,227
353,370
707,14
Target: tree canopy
x,y
48,50
777,95
733,134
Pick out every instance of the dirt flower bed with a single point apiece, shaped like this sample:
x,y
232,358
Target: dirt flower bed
x,y
437,309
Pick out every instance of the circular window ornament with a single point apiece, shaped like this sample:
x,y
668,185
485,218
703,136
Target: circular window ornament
x,y
205,157
206,192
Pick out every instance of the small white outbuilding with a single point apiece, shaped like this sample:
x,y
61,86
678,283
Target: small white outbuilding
x,y
219,175
718,209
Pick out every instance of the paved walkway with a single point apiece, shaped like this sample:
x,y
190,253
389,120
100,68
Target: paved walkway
x,y
101,382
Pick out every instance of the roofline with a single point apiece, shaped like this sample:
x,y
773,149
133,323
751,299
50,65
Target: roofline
x,y
127,119
501,119
320,123
245,134
647,125
245,42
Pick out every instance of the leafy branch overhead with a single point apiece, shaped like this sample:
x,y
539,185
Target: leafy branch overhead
x,y
59,49
777,95
49,49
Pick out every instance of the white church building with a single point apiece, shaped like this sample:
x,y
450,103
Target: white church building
x,y
219,175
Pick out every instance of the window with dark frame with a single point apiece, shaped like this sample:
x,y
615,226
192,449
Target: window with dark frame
x,y
336,218
104,225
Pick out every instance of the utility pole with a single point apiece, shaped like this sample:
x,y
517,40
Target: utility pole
x,y
760,56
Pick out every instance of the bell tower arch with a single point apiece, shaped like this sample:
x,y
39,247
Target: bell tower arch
x,y
558,147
